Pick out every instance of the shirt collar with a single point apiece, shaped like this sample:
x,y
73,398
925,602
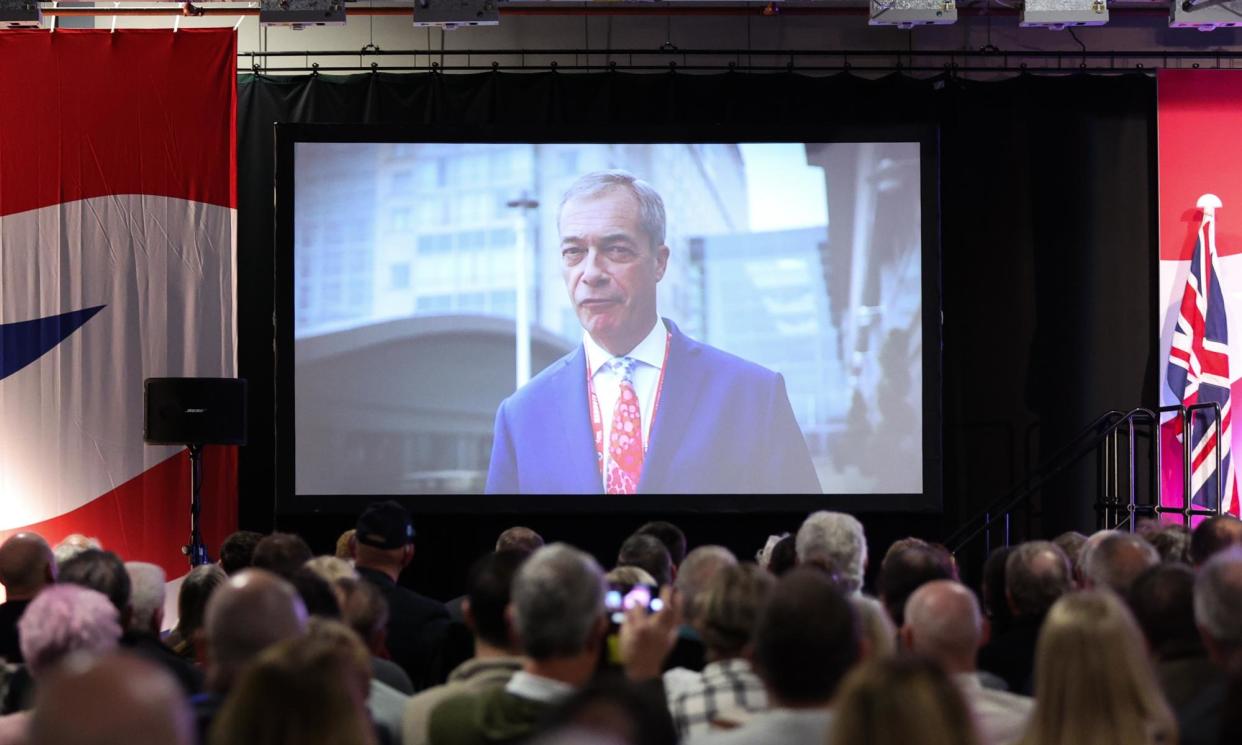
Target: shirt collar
x,y
649,351
538,688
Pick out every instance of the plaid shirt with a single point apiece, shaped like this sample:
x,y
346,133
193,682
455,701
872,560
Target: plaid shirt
x,y
725,690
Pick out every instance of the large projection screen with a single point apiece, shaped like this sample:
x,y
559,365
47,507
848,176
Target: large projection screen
x,y
799,295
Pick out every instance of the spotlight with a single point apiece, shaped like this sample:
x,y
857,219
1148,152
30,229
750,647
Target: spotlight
x,y
1205,15
301,13
20,14
1059,14
910,13
450,14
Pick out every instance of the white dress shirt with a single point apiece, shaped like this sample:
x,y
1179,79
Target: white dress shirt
x,y
650,356
538,688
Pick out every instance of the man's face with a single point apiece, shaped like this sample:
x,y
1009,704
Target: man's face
x,y
610,268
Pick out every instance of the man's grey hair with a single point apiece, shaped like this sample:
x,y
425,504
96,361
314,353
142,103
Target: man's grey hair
x,y
650,205
836,542
146,593
1036,574
1218,597
697,571
1118,560
558,598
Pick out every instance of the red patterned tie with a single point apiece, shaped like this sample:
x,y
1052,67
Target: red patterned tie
x,y
625,439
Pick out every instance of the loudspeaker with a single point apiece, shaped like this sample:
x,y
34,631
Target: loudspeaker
x,y
194,411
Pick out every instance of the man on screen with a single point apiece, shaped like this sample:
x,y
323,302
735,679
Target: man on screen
x,y
715,422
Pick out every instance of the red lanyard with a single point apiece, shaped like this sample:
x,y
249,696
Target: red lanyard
x,y
597,418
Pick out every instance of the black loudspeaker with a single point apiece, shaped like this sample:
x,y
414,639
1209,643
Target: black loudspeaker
x,y
194,411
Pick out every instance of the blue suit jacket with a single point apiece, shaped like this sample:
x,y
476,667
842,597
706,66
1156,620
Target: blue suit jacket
x,y
723,425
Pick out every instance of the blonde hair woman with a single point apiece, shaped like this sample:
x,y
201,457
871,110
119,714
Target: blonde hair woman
x,y
1094,684
901,701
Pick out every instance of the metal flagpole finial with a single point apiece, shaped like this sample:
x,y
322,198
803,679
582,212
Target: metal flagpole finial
x,y
1209,203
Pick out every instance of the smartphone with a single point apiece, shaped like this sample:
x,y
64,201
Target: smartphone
x,y
621,598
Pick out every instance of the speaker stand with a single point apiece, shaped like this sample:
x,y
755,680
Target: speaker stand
x,y
195,551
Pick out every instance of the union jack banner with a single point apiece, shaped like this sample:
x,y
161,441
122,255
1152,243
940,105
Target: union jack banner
x,y
1198,372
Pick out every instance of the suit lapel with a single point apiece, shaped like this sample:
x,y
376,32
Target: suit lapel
x,y
682,384
580,465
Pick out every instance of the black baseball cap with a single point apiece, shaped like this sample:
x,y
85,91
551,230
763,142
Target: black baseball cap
x,y
384,525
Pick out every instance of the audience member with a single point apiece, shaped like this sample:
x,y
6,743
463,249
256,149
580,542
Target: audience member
x,y
1162,600
784,556
558,618
1116,561
671,536
763,557
907,566
697,570
345,546
332,568
805,642
519,538
992,591
1218,614
417,625
1037,573
1212,536
364,610
250,612
72,545
612,710
143,621
116,699
26,567
317,594
629,576
1172,542
1071,542
102,571
1079,566
384,704
1093,681
306,689
835,542
196,588
237,551
875,627
943,624
281,554
648,553
901,701
727,691
497,655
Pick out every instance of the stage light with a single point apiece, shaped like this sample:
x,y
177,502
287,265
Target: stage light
x,y
1205,15
301,13
1059,14
911,13
449,14
20,14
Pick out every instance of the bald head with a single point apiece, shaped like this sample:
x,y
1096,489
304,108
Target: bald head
x,y
1214,535
251,611
113,700
697,571
1117,561
26,565
943,623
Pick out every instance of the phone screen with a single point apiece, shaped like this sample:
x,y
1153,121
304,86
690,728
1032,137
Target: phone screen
x,y
621,598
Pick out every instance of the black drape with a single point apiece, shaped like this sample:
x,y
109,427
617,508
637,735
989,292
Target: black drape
x,y
1048,259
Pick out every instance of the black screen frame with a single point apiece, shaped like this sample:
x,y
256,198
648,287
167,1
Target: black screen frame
x,y
288,136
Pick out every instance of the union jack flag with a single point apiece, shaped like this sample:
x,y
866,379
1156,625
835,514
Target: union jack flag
x,y
1198,372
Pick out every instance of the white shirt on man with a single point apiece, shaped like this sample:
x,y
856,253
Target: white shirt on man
x,y
1000,716
650,356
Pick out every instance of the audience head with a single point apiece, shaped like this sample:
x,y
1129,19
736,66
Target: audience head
x,y
281,553
364,609
345,545
875,628
1117,561
318,595
558,603
1079,566
836,542
237,551
647,552
1162,600
72,545
308,689
628,576
64,620
1093,679
671,536
907,566
146,598
332,568
1036,574
729,607
943,623
1172,542
384,538
117,699
697,571
26,565
487,598
250,612
901,700
784,556
520,539
102,571
1214,535
992,589
1071,542
196,589
806,618
1218,608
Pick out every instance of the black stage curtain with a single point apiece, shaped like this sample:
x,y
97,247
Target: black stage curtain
x,y
1048,227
